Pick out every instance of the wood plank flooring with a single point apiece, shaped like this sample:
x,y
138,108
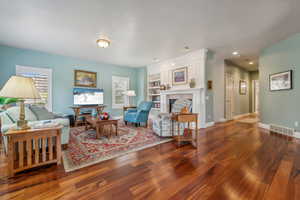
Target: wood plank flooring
x,y
234,161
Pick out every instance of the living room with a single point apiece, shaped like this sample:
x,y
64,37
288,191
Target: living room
x,y
149,100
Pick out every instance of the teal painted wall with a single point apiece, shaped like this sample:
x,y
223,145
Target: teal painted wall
x,y
141,84
280,107
63,74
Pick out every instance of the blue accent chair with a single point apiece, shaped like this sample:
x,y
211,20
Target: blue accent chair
x,y
139,115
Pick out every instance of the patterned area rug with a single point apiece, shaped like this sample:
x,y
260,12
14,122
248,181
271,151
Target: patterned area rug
x,y
85,150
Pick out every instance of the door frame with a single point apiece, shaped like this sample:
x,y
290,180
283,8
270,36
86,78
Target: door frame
x,y
231,78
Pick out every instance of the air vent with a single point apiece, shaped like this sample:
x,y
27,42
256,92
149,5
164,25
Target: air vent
x,y
282,130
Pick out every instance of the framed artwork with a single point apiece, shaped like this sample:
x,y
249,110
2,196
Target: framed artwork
x,y
209,85
180,76
243,87
281,81
119,87
85,78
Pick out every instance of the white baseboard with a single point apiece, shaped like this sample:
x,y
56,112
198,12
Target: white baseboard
x,y
267,127
240,116
209,124
222,120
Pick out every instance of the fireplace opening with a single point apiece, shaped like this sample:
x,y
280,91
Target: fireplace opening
x,y
180,104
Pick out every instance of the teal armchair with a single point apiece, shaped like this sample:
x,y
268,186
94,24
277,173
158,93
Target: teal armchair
x,y
139,115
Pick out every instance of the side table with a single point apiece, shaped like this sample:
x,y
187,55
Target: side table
x,y
188,118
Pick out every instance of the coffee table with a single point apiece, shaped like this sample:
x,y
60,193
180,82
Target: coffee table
x,y
99,125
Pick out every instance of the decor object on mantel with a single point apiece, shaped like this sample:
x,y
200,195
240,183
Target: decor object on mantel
x,y
192,83
21,88
243,87
281,81
180,76
85,78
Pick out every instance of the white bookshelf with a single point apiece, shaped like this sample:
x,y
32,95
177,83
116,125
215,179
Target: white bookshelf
x,y
154,90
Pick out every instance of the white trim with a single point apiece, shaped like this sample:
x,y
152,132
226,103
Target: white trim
x,y
209,124
48,71
241,115
267,127
222,120
264,126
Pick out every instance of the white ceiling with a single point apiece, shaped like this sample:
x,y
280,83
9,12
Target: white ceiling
x,y
141,30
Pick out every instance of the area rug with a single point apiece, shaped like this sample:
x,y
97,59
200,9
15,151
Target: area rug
x,y
85,150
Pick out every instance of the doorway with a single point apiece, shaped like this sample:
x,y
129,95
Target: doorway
x,y
229,89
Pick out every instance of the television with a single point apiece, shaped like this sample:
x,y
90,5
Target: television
x,y
87,96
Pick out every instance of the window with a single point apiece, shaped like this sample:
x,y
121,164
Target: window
x,y
119,86
42,78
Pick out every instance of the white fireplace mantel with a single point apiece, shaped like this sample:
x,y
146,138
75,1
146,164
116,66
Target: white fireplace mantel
x,y
198,96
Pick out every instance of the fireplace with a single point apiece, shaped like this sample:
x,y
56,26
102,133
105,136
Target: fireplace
x,y
196,95
172,101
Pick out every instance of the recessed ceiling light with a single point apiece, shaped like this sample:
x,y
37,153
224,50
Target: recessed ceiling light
x,y
251,63
103,42
155,59
186,48
173,64
235,53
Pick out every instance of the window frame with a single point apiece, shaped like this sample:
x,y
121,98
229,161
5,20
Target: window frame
x,y
23,69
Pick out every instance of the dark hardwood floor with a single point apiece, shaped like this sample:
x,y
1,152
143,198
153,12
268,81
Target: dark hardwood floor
x,y
234,161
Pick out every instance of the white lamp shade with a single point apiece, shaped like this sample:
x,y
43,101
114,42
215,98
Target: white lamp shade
x,y
130,93
20,87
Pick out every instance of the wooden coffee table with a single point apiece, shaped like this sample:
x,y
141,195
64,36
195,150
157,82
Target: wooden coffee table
x,y
99,125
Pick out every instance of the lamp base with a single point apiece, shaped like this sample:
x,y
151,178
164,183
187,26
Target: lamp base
x,y
22,125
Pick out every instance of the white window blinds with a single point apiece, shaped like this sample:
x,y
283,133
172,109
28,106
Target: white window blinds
x,y
42,78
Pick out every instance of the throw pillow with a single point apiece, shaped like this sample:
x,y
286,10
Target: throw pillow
x,y
41,112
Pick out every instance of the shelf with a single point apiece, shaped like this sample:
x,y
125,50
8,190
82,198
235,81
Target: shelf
x,y
157,87
154,94
155,80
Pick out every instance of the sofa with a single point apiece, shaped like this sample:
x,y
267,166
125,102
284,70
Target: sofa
x,y
35,115
161,122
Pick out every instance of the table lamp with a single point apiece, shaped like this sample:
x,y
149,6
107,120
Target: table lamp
x,y
130,94
21,88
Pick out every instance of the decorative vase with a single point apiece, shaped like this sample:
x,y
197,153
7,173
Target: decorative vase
x,y
192,83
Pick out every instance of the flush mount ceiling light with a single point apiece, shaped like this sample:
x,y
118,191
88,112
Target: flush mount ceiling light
x,y
235,53
251,63
103,42
155,59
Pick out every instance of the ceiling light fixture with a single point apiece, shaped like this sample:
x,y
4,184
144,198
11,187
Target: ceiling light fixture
x,y
155,59
235,53
251,63
103,42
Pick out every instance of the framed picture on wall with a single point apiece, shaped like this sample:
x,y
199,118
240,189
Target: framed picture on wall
x,y
281,81
179,76
85,78
243,87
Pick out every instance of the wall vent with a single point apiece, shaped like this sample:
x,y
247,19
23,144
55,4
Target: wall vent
x,y
282,130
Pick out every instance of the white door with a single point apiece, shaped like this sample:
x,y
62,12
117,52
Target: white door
x,y
229,87
255,96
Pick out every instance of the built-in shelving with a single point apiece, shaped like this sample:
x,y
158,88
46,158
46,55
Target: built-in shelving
x,y
154,90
